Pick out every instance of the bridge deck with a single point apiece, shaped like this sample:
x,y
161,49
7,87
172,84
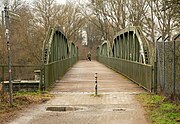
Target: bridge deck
x,y
115,105
81,79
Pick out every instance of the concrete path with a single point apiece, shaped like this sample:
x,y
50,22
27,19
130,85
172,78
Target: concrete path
x,y
74,102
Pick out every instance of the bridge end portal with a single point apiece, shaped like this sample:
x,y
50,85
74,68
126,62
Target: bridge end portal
x,y
131,54
58,56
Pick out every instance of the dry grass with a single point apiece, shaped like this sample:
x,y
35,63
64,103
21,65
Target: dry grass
x,y
21,100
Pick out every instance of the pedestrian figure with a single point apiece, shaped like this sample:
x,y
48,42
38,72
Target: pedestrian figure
x,y
89,56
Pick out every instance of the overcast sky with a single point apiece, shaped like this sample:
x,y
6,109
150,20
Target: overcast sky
x,y
58,1
61,1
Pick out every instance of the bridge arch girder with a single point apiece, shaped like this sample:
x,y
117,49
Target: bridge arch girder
x,y
104,49
130,44
73,50
58,56
55,46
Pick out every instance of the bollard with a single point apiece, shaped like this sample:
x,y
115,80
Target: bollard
x,y
95,84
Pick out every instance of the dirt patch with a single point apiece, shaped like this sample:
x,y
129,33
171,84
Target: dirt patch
x,y
21,102
10,114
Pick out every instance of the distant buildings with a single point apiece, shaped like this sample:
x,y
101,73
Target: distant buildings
x,y
84,38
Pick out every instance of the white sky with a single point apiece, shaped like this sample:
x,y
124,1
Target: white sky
x,y
58,1
61,1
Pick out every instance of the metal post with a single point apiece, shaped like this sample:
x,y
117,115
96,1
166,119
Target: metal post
x,y
3,61
164,66
164,63
174,66
95,84
3,88
42,78
156,66
6,11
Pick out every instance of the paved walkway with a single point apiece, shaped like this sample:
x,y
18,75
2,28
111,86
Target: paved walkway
x,y
115,105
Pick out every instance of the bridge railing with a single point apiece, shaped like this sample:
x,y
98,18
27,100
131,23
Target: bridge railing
x,y
142,74
55,70
24,77
130,55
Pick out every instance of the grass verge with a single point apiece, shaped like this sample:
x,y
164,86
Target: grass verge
x,y
21,100
159,109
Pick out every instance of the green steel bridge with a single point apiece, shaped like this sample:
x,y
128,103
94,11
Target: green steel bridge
x,y
58,56
130,54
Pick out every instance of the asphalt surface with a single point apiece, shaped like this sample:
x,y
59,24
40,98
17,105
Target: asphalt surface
x,y
74,101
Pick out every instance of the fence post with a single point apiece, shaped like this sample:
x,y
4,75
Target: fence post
x,y
174,65
155,78
174,68
3,87
42,79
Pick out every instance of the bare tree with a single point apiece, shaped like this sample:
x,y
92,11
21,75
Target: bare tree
x,y
111,16
101,19
16,4
165,19
26,43
45,11
71,21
